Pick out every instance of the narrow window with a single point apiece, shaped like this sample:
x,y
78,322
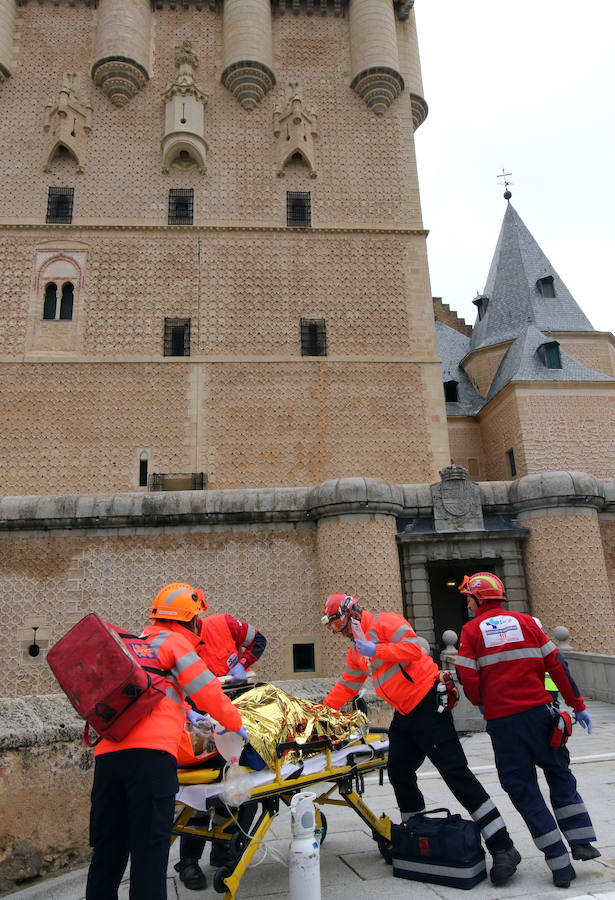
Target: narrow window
x,y
553,359
313,337
511,462
451,393
303,658
181,206
298,209
60,205
143,470
51,301
481,303
66,302
546,286
176,337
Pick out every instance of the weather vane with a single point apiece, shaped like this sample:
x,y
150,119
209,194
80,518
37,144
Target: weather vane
x,y
504,175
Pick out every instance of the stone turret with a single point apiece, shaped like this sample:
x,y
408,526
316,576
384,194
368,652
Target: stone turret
x,y
248,53
8,14
122,48
411,67
376,74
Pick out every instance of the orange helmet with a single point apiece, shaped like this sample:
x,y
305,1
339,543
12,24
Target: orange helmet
x,y
337,611
483,586
178,601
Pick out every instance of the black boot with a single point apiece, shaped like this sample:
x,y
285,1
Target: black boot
x,y
191,874
563,877
584,852
505,864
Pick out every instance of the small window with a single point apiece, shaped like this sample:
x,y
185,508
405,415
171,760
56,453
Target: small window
x,y
303,658
481,303
66,302
451,393
60,205
553,359
178,481
52,309
546,286
177,337
313,337
181,206
298,209
143,463
51,301
511,462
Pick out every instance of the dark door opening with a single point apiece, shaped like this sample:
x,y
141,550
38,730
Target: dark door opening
x,y
449,607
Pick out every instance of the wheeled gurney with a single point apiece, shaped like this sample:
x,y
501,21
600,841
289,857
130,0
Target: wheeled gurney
x,y
342,770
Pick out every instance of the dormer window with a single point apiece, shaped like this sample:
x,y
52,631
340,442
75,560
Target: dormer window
x,y
546,287
550,355
451,391
481,303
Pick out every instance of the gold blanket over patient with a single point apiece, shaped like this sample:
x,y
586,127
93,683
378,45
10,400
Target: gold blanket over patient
x,y
272,717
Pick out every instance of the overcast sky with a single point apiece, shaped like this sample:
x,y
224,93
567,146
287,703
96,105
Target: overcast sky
x,y
527,86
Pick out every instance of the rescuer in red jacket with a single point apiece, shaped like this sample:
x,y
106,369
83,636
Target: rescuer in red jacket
x,y
407,678
502,660
135,780
228,647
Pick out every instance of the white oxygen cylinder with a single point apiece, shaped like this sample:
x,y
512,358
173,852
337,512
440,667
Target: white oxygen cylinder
x,y
304,849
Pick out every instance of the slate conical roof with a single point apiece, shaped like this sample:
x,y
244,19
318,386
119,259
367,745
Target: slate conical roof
x,y
452,347
514,296
522,362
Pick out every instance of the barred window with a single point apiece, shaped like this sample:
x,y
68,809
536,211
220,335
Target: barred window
x,y
176,337
181,206
299,209
178,481
60,205
313,337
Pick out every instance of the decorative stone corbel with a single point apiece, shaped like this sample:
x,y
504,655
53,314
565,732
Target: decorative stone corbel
x,y
68,123
184,141
295,128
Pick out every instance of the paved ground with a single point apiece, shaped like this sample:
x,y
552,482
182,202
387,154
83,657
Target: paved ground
x,y
352,869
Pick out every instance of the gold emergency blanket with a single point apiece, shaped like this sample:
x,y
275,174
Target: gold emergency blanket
x,y
272,717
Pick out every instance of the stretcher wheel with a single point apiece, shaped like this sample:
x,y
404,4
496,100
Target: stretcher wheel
x,y
219,876
237,844
385,847
321,827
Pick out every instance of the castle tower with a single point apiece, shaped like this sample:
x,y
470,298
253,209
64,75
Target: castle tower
x,y
122,48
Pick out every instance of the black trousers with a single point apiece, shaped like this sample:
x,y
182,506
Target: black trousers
x,y
133,799
424,732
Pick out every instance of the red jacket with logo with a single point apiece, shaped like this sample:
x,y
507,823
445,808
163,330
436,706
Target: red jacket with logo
x,y
227,641
502,660
162,728
402,673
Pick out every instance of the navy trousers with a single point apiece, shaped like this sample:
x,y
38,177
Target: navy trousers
x,y
521,743
424,732
133,799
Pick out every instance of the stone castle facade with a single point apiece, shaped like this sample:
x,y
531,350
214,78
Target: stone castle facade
x,y
219,356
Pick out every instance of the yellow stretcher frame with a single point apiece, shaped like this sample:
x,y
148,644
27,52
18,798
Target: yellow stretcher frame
x,y
347,779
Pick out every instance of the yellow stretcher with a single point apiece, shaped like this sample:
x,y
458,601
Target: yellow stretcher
x,y
343,770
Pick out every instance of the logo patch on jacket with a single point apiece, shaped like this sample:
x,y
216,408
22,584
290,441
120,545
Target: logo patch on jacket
x,y
500,630
143,650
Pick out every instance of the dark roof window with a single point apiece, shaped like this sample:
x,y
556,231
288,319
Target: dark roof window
x,y
550,355
481,303
546,286
451,391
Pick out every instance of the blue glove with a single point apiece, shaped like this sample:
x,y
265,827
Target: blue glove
x,y
238,673
585,720
196,718
240,731
365,648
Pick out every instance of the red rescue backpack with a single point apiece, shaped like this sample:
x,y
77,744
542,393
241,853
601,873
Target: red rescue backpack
x,y
111,677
